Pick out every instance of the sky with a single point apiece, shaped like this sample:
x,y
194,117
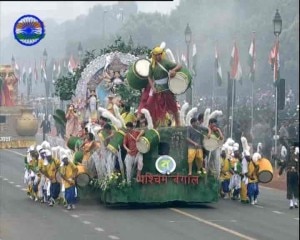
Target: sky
x,y
11,11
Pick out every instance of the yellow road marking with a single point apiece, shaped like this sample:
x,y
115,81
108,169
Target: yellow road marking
x,y
212,224
15,152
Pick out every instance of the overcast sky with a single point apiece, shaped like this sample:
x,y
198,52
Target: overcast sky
x,y
62,11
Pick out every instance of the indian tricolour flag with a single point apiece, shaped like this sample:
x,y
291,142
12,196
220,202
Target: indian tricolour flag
x,y
218,68
274,61
252,59
236,69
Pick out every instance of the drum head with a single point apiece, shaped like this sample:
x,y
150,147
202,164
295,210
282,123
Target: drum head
x,y
211,144
179,84
142,67
143,145
265,176
82,180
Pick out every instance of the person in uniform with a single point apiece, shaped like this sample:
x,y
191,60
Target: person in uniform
x,y
133,156
49,169
195,152
213,159
68,172
291,166
236,171
225,174
31,165
252,186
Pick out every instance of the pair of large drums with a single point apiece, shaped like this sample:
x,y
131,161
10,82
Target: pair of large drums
x,y
116,142
180,82
137,75
148,141
265,172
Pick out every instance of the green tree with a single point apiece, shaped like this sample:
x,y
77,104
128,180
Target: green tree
x,y
65,86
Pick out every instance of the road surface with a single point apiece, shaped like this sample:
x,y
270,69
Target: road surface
x,y
22,218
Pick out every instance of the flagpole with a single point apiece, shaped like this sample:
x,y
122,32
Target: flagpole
x,y
232,105
252,72
252,106
213,89
276,75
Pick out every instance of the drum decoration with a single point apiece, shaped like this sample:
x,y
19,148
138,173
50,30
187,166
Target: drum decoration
x,y
72,142
265,172
137,75
148,141
82,178
181,82
116,141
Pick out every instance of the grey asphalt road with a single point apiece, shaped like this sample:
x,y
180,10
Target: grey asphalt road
x,y
22,219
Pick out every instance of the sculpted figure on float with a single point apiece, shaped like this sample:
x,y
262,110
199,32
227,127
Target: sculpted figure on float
x,y
8,86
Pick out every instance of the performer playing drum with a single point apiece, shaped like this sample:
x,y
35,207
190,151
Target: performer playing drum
x,y
213,162
157,97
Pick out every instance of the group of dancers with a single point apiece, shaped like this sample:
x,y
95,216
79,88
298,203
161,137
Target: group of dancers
x,y
48,178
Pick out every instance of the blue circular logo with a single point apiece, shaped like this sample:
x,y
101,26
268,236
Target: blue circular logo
x,y
29,30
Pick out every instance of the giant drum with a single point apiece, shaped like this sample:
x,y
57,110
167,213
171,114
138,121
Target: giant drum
x,y
137,75
265,172
116,141
148,141
82,178
180,82
72,142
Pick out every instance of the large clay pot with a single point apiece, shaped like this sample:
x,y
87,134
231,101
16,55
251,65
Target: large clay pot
x,y
27,124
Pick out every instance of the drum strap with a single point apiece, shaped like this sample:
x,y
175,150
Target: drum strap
x,y
132,136
202,133
163,68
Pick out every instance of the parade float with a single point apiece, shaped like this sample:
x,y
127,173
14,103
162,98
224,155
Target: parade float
x,y
164,176
18,126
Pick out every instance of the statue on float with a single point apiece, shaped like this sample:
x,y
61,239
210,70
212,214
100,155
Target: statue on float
x,y
8,86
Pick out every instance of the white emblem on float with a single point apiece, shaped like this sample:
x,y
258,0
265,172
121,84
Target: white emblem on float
x,y
165,164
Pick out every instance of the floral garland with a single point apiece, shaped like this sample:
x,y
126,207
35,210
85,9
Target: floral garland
x,y
113,181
